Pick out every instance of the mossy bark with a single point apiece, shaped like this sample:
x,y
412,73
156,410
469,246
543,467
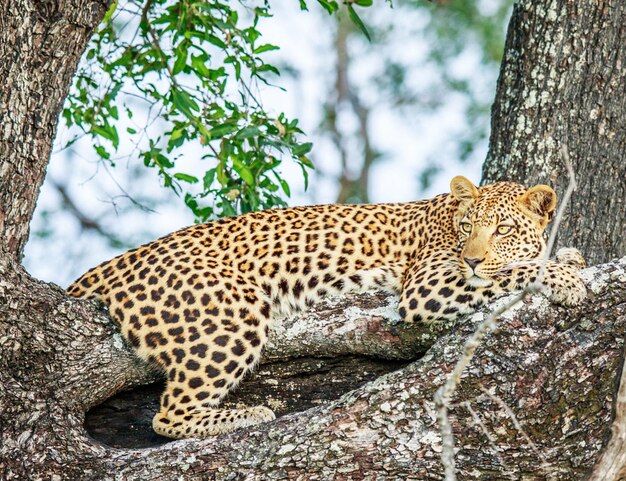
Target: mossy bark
x,y
543,387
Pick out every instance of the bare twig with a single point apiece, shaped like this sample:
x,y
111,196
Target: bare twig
x,y
509,412
571,186
444,393
86,222
125,194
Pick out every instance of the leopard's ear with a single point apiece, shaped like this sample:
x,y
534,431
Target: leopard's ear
x,y
541,201
462,189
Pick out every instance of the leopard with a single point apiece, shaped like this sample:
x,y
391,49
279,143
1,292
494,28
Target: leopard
x,y
200,303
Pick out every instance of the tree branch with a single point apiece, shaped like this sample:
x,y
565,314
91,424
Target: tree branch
x,y
541,357
387,427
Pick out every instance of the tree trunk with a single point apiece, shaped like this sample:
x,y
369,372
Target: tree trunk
x,y
563,82
536,402
40,45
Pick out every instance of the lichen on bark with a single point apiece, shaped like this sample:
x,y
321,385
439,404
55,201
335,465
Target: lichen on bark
x,y
553,368
562,83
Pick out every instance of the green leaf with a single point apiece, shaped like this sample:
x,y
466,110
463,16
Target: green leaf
x,y
198,62
209,176
108,132
220,131
265,48
305,161
305,174
221,174
181,59
358,22
248,132
302,149
268,68
285,186
243,171
177,138
110,12
102,152
227,208
163,161
186,178
184,103
329,6
218,42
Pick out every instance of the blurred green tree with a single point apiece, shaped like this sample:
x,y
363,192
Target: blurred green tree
x,y
448,32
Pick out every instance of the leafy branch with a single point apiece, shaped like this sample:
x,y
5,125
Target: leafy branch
x,y
182,76
196,65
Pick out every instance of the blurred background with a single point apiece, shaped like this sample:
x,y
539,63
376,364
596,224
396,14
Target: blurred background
x,y
391,120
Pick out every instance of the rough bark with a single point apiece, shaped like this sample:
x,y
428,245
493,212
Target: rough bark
x,y
562,82
125,420
612,464
40,45
554,369
536,402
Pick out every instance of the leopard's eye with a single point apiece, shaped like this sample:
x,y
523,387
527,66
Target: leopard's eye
x,y
466,227
504,229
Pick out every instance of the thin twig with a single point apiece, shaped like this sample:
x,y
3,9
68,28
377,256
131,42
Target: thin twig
x,y
479,422
571,186
86,222
509,412
444,393
137,203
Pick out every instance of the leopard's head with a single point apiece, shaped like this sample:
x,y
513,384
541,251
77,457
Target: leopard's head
x,y
498,225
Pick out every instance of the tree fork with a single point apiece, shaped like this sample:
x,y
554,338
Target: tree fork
x,y
555,369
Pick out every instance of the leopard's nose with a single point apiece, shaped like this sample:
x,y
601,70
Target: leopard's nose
x,y
473,261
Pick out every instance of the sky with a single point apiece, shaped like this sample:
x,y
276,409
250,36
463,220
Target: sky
x,y
59,250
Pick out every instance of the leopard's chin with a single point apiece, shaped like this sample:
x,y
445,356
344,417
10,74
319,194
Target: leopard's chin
x,y
475,281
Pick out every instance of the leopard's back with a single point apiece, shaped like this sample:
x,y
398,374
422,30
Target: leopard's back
x,y
200,301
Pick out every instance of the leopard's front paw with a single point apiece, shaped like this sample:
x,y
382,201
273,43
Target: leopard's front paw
x,y
570,256
571,294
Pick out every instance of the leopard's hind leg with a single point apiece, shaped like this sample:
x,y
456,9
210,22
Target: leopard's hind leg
x,y
204,371
183,416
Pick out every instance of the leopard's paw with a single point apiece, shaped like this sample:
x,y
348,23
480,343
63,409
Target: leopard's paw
x,y
572,293
570,256
261,414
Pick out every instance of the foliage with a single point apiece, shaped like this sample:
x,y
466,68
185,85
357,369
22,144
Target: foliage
x,y
196,65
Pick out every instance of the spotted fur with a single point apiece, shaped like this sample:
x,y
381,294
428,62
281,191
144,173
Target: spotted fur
x,y
200,302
